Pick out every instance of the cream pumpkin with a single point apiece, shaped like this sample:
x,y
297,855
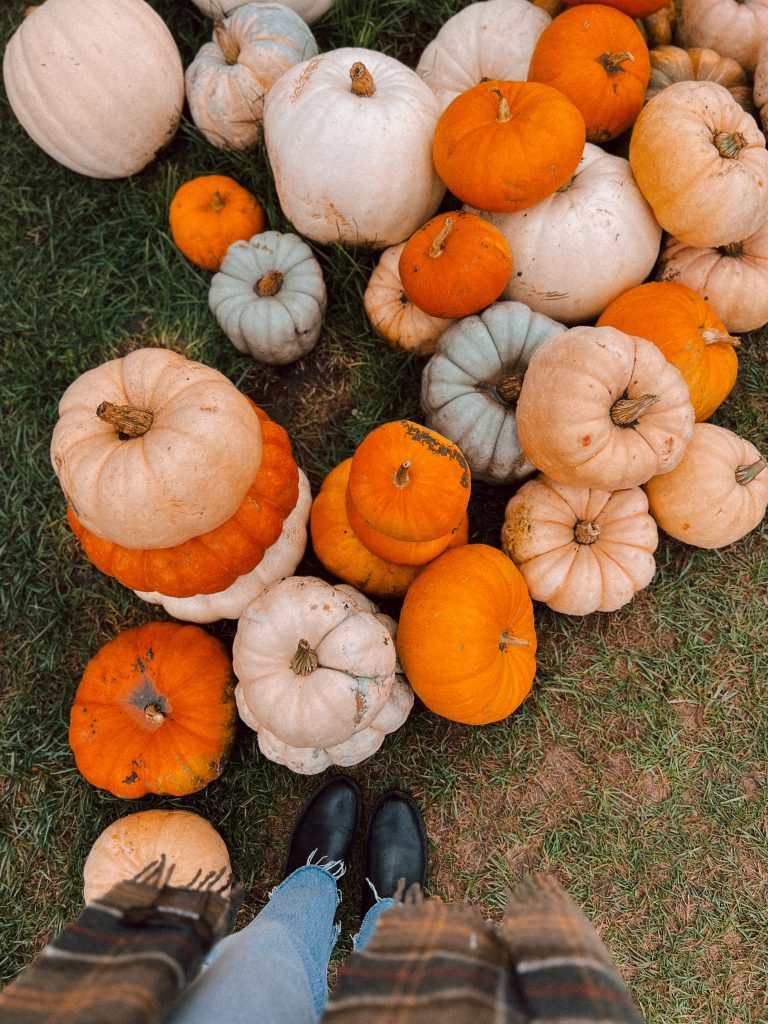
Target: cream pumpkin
x,y
153,449
308,10
97,84
734,28
760,90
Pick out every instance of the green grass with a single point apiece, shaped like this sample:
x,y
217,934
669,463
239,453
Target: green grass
x,y
636,771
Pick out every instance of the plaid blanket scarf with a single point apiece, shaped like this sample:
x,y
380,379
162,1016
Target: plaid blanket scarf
x,y
433,963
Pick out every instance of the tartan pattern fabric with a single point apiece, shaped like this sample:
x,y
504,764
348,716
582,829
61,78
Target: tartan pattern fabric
x,y
433,963
125,958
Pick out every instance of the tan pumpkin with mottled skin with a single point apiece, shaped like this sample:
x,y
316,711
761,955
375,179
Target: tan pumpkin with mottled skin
x,y
670,64
734,28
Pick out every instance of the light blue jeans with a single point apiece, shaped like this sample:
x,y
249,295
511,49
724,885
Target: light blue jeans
x,y
275,969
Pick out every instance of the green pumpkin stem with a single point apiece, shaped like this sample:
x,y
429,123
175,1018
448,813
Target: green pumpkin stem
x,y
746,474
362,80
729,144
612,61
626,411
710,336
507,639
270,284
438,243
153,713
127,421
230,49
304,662
402,478
586,532
504,111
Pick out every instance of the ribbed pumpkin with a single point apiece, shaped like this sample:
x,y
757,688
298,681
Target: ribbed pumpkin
x,y
211,561
734,28
670,64
154,712
596,57
455,265
689,333
208,214
504,146
466,637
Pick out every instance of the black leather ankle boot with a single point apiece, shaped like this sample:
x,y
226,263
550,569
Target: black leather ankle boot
x,y
326,825
395,847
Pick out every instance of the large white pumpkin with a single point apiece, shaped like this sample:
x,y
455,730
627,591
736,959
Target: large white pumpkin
x,y
309,10
577,250
98,84
349,137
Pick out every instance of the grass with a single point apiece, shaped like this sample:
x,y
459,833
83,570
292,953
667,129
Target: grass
x,y
636,771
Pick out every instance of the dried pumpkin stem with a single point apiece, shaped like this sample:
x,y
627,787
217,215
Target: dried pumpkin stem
x,y
503,111
217,201
127,421
362,80
626,411
586,532
402,478
509,388
304,661
438,243
732,249
729,144
230,49
612,61
153,713
710,336
269,284
507,639
746,474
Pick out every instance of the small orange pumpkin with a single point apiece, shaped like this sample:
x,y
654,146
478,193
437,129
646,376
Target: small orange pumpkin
x,y
455,265
208,214
408,482
402,552
502,146
595,56
466,637
154,712
689,333
632,8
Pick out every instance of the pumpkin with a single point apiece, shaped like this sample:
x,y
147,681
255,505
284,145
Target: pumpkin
x,y
689,333
391,313
280,559
212,561
348,136
670,64
401,552
153,449
408,482
470,387
227,81
466,637
733,277
308,10
580,550
154,712
269,297
602,409
734,28
658,29
632,8
316,668
97,84
760,86
701,162
492,39
179,838
579,248
455,265
208,214
504,146
718,492
596,57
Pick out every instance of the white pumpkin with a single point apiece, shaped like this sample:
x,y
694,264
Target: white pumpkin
x,y
269,297
308,10
734,28
575,251
470,386
349,137
227,81
280,559
317,672
98,84
490,39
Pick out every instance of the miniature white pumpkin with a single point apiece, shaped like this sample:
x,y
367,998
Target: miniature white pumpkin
x,y
269,297
317,672
280,559
308,10
349,137
97,84
227,81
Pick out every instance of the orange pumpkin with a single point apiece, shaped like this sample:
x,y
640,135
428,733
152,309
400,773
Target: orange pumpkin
x,y
502,146
212,561
466,637
595,56
408,482
632,8
689,333
402,552
208,214
154,712
455,265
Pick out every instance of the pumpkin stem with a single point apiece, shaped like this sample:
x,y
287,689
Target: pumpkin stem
x,y
438,243
612,61
732,249
709,336
153,713
126,420
362,80
586,532
504,111
217,201
729,144
746,474
507,638
230,49
509,388
401,477
304,661
626,411
269,284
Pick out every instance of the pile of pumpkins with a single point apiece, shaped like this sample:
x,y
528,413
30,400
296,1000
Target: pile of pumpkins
x,y
554,366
